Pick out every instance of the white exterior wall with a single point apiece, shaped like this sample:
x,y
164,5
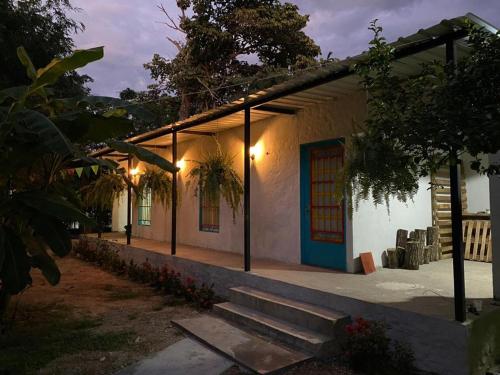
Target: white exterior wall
x,y
477,186
374,228
119,214
275,190
160,216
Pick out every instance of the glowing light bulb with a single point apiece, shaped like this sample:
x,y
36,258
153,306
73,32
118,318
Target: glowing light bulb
x,y
134,171
256,151
180,164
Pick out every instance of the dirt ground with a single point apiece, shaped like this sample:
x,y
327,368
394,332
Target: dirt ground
x,y
118,305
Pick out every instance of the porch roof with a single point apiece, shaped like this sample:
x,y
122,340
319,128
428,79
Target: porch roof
x,y
333,80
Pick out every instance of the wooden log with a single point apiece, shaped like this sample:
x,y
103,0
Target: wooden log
x,y
432,240
420,236
427,254
411,255
401,255
401,238
392,258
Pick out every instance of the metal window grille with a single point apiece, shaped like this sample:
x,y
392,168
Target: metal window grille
x,y
327,214
209,214
145,208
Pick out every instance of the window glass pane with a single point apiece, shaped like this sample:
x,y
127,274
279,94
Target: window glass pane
x,y
144,206
209,214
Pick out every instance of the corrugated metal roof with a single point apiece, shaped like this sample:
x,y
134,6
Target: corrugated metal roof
x,y
318,85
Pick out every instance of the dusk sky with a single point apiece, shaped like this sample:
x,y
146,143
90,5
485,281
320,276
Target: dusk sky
x,y
131,30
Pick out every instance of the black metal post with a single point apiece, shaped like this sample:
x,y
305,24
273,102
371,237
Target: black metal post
x,y
246,189
173,241
128,227
456,219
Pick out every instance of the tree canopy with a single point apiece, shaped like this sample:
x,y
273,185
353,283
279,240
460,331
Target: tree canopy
x,y
417,124
163,108
44,28
230,47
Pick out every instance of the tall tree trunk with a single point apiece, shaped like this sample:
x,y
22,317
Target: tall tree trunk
x,y
185,107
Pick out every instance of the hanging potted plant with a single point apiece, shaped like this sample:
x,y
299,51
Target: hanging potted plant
x,y
160,184
100,194
215,177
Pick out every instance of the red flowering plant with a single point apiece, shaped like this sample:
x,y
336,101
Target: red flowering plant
x,y
368,349
190,289
162,279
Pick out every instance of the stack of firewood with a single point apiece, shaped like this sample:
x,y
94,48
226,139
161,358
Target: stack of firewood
x,y
420,247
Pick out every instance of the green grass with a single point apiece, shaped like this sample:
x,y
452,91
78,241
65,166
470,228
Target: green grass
x,y
41,334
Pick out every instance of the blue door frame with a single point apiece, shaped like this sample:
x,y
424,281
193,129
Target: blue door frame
x,y
318,252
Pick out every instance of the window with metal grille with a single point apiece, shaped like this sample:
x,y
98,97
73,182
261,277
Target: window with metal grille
x,y
209,214
327,214
144,207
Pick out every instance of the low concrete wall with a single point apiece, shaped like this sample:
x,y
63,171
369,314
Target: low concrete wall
x,y
439,345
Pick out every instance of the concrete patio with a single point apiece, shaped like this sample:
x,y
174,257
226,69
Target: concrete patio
x,y
427,291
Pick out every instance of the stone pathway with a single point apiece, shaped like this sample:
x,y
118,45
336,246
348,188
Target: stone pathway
x,y
184,357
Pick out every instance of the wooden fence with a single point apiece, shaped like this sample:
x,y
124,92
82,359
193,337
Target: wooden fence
x,y
477,240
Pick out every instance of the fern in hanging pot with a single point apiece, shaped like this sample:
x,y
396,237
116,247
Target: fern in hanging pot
x,y
98,196
160,184
102,192
215,177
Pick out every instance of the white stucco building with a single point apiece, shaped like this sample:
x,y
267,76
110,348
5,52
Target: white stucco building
x,y
296,127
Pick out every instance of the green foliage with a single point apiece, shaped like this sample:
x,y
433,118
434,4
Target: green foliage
x,y
103,191
143,155
368,349
163,107
214,177
416,124
40,136
45,29
211,65
162,279
159,183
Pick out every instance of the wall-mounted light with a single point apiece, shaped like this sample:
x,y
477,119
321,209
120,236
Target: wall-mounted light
x,y
134,171
181,164
256,151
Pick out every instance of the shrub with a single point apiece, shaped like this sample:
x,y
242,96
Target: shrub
x,y
164,280
368,349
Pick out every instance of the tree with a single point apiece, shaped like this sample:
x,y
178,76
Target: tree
x,y
41,136
44,29
163,108
417,124
214,63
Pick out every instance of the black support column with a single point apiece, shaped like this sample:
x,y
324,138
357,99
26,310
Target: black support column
x,y
173,241
128,227
456,218
246,190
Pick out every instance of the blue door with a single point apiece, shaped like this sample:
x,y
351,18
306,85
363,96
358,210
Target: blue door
x,y
323,240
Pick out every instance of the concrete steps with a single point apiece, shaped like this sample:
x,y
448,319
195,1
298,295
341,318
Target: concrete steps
x,y
246,349
309,316
290,334
253,317
300,325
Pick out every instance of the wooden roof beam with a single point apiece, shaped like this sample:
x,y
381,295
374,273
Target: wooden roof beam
x,y
275,109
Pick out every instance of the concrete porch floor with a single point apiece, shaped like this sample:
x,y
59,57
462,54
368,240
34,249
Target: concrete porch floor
x,y
428,291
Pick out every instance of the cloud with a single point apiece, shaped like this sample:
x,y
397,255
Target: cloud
x,y
131,30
